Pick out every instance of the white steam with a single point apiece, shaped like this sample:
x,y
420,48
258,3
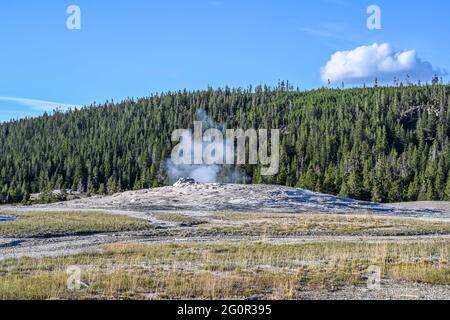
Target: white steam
x,y
203,173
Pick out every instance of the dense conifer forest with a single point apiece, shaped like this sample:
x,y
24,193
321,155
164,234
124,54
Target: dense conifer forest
x,y
382,144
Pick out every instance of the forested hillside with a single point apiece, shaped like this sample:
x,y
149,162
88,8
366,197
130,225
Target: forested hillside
x,y
382,144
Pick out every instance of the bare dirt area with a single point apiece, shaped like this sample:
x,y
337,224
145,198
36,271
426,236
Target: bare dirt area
x,y
388,290
433,205
410,242
195,197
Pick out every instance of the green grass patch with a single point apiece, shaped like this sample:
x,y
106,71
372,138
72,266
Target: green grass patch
x,y
53,224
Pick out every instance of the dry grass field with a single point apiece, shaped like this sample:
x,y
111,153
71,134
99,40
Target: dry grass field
x,y
217,271
231,256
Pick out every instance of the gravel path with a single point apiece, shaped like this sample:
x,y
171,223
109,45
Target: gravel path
x,y
60,246
388,290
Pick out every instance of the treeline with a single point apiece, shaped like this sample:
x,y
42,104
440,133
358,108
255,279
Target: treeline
x,y
382,144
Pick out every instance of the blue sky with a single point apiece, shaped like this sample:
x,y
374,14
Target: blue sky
x,y
137,47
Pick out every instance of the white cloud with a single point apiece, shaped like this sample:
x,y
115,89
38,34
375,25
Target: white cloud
x,y
366,63
40,105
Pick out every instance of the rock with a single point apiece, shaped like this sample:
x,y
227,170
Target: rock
x,y
256,297
184,181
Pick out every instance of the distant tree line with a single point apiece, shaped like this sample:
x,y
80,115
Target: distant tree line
x,y
382,144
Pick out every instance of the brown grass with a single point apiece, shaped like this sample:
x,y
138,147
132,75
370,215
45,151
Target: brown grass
x,y
215,271
243,224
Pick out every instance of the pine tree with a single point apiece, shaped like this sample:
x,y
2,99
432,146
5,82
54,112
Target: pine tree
x,y
308,181
329,181
102,189
447,189
112,186
354,185
413,190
